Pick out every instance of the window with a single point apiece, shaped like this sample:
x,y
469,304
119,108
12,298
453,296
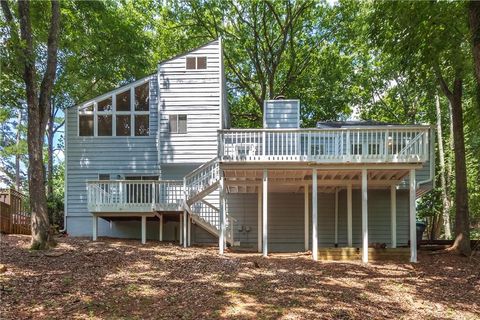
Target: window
x,y
197,63
123,101
141,97
104,124
117,114
86,125
178,123
105,105
141,125
123,125
103,176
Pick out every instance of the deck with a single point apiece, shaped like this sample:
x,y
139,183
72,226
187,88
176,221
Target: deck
x,y
376,144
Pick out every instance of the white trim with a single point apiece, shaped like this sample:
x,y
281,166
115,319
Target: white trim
x,y
185,225
144,229
160,228
349,216
336,217
265,214
259,218
220,80
413,218
221,212
180,223
94,227
306,216
314,215
65,180
393,215
364,216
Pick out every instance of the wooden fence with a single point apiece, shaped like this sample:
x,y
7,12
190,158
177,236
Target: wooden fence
x,y
14,216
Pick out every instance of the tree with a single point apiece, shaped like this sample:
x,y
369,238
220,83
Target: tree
x,y
430,36
474,20
38,102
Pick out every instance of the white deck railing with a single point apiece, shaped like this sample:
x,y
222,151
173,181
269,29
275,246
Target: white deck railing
x,y
141,195
362,144
201,178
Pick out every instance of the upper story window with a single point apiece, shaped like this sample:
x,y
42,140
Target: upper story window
x,y
196,63
177,123
124,113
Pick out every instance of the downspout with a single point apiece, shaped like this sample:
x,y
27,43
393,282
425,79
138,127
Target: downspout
x,y
432,161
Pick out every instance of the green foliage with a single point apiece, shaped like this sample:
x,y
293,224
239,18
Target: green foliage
x,y
55,200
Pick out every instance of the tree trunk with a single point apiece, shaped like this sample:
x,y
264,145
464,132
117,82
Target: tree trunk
x,y
462,218
18,183
50,134
443,180
38,102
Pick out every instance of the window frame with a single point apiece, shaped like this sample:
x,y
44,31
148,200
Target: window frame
x,y
82,110
177,115
196,63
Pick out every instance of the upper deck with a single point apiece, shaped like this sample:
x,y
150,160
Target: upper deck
x,y
363,144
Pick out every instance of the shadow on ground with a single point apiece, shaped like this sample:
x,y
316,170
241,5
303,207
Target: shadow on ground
x,y
121,278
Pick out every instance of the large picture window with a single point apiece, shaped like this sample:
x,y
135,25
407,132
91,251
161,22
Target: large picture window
x,y
123,113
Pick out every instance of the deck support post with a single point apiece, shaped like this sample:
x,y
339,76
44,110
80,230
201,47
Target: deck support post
x,y
413,217
189,231
349,216
336,217
307,218
314,215
95,227
144,229
259,218
180,224
160,227
221,212
364,217
265,213
393,215
185,234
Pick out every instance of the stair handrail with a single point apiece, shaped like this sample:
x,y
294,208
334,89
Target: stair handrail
x,y
411,142
208,170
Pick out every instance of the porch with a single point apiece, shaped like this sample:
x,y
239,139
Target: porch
x,y
326,211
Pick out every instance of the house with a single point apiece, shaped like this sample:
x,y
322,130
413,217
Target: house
x,y
157,159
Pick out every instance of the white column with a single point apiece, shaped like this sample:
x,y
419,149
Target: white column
x,y
144,229
95,227
349,216
413,217
185,229
180,224
265,213
364,216
160,227
314,215
189,231
336,217
393,215
307,218
221,212
259,222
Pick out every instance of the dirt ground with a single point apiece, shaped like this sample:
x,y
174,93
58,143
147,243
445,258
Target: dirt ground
x,y
121,279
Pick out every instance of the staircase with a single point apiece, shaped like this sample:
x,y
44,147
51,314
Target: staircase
x,y
198,185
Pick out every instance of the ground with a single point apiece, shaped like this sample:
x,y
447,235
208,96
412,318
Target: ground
x,y
118,279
